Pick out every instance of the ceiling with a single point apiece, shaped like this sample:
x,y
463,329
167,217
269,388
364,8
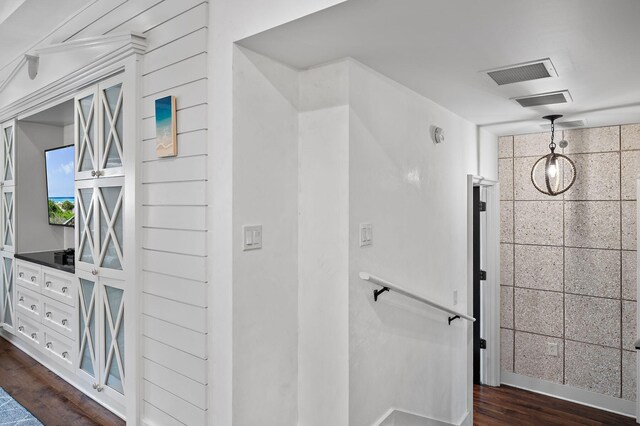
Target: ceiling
x,y
25,22
438,48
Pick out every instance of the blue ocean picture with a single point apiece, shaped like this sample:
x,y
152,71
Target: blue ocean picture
x,y
60,185
166,127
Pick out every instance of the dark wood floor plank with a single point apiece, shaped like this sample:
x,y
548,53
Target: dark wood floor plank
x,y
507,406
52,400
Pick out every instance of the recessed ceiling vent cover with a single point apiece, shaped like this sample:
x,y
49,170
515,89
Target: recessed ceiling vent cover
x,y
573,124
523,72
562,97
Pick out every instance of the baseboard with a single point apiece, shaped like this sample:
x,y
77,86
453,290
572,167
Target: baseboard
x,y
395,417
569,393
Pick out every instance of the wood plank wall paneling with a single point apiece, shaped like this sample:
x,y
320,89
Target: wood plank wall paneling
x,y
174,288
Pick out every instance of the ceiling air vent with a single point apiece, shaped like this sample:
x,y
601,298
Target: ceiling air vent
x,y
551,98
528,71
564,125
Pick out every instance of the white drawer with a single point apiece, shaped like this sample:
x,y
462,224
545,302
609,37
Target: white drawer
x,y
28,303
28,275
58,286
58,317
58,347
28,330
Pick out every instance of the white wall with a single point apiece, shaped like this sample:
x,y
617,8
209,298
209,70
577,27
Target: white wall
x,y
265,186
324,246
230,21
401,354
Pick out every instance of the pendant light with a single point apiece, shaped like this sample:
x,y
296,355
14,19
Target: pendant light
x,y
559,172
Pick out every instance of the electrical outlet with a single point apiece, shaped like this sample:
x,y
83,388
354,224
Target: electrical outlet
x,y
455,297
552,349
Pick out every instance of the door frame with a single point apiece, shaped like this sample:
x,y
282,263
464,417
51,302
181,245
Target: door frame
x,y
491,287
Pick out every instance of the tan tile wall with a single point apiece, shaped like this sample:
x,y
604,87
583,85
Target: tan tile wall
x,y
568,263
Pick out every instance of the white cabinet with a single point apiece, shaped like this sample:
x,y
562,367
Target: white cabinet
x,y
101,348
7,204
100,226
99,137
7,311
8,154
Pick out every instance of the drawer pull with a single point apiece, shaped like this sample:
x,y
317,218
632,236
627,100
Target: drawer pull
x,y
48,283
21,299
94,272
99,388
64,321
33,279
21,328
95,386
65,354
64,289
33,307
49,345
48,314
33,336
21,274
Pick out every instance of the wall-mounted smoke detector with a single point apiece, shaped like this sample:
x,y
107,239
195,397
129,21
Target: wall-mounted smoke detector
x,y
560,97
527,71
566,125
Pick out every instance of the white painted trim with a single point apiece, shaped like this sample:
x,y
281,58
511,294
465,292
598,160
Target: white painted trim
x,y
62,89
471,179
21,62
132,38
491,287
569,393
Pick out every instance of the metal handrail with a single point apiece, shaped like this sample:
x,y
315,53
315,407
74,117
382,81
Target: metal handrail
x,y
387,286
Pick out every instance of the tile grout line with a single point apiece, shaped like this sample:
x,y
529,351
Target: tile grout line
x,y
621,245
513,251
564,295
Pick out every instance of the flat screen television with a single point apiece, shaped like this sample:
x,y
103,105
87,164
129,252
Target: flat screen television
x,y
61,202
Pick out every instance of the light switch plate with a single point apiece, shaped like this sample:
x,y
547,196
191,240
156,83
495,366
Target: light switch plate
x,y
251,237
552,349
366,234
455,297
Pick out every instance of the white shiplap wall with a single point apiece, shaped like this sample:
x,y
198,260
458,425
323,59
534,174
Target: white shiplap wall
x,y
173,239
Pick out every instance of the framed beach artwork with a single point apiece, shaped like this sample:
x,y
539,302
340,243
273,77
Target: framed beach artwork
x,y
166,140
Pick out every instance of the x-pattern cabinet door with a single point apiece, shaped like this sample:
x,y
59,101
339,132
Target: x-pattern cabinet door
x,y
85,237
112,344
86,134
88,327
111,119
7,310
8,207
7,174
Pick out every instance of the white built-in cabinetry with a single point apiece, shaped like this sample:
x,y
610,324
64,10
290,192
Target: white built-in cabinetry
x,y
75,323
100,257
7,224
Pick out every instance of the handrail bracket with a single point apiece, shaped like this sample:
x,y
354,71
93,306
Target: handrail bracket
x,y
453,318
377,293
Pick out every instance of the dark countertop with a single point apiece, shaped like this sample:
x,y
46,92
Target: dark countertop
x,y
46,258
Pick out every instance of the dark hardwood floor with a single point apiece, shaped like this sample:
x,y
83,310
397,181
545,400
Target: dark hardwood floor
x,y
52,400
511,406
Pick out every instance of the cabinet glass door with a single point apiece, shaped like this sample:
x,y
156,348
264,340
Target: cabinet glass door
x,y
8,218
110,233
86,135
8,290
111,133
112,365
87,329
85,225
8,154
